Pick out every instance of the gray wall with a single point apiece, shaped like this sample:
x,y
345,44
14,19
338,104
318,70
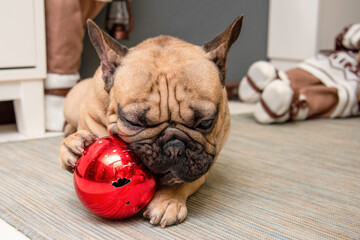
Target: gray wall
x,y
196,22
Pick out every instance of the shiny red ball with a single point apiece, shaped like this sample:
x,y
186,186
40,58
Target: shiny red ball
x,y
110,181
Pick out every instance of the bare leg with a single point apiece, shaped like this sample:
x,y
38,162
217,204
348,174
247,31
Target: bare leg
x,y
300,78
312,99
305,97
65,28
316,101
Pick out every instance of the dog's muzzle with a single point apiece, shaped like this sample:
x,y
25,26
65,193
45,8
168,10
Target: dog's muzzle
x,y
174,151
173,156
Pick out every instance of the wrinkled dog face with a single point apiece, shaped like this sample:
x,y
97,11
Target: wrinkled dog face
x,y
169,109
168,101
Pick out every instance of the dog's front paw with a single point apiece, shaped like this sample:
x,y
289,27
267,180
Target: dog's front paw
x,y
73,146
166,209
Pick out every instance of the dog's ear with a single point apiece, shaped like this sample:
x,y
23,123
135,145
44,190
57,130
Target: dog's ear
x,y
109,50
219,47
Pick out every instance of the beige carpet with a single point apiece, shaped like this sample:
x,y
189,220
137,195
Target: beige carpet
x,y
293,181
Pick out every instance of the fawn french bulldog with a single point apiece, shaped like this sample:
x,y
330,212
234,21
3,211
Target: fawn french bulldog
x,y
167,99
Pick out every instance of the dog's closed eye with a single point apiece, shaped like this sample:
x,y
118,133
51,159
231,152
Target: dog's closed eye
x,y
205,116
134,124
206,124
131,123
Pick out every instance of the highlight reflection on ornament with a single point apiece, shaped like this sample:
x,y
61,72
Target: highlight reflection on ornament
x,y
110,181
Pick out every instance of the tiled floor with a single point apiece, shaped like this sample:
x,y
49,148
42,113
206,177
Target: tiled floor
x,y
9,133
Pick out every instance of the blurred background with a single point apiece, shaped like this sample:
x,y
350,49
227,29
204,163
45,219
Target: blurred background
x,y
196,22
45,49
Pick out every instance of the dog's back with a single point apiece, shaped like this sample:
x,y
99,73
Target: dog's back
x,y
72,105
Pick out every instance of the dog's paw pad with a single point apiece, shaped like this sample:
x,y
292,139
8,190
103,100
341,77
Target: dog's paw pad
x,y
73,146
166,212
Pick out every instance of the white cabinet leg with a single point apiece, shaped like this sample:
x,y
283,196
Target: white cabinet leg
x,y
29,108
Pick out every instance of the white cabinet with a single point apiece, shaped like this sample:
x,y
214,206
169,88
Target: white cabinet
x,y
17,46
299,29
23,62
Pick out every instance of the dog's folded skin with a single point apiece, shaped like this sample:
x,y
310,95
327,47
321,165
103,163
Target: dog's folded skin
x,y
165,98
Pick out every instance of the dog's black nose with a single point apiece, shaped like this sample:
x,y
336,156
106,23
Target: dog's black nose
x,y
174,149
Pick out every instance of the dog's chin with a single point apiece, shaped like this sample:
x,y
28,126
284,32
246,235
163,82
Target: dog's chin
x,y
168,179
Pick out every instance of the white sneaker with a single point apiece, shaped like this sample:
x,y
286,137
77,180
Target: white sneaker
x,y
259,75
275,102
54,103
54,117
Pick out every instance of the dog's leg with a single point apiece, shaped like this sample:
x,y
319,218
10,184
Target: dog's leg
x,y
69,129
168,206
73,146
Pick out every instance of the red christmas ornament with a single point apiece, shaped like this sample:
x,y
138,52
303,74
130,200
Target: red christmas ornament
x,y
110,181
